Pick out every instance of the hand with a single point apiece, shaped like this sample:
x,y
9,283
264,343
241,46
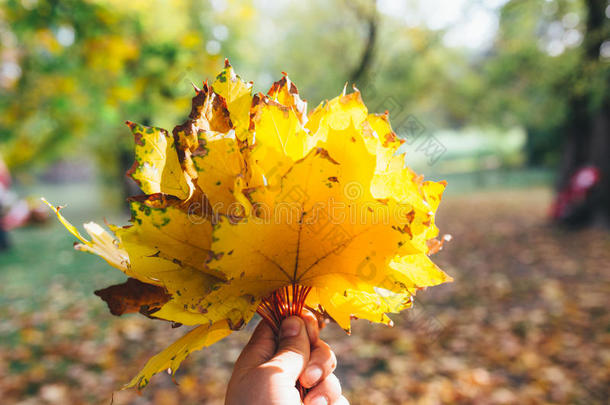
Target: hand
x,y
267,369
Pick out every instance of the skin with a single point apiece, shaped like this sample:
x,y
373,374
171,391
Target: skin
x,y
268,368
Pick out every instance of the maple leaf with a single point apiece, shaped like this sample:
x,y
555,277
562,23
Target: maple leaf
x,y
256,206
238,98
156,168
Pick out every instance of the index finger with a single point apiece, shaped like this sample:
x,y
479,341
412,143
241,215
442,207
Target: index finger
x,y
311,325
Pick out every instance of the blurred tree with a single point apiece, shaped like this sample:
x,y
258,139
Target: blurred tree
x,y
74,70
524,80
546,72
85,66
586,131
367,12
44,99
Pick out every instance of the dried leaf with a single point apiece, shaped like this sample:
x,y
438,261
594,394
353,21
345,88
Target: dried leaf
x,y
133,296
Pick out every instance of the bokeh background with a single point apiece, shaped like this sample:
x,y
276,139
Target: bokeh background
x,y
506,100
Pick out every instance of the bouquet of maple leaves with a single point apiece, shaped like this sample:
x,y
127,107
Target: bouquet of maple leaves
x,y
254,205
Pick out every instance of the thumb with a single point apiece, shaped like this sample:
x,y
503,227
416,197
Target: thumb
x,y
293,348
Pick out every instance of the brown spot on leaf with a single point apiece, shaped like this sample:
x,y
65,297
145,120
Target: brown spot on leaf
x,y
198,101
131,171
390,138
156,200
217,113
410,216
324,153
137,136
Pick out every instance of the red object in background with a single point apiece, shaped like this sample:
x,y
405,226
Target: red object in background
x,y
16,216
575,193
21,213
5,176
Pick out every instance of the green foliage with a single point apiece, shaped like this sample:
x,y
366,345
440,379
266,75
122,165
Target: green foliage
x,y
529,83
88,65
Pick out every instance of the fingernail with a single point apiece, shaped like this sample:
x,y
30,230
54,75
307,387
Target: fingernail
x,y
319,401
290,327
313,374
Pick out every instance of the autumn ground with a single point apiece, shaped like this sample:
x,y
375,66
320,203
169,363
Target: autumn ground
x,y
525,322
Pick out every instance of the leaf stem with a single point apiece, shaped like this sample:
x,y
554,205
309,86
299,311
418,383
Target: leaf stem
x,y
279,305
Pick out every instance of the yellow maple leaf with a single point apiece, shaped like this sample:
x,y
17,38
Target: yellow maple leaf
x,y
253,201
238,96
101,244
170,358
156,168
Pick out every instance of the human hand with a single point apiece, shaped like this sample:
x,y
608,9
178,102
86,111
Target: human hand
x,y
267,369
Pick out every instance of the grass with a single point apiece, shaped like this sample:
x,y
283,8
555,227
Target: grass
x,y
42,255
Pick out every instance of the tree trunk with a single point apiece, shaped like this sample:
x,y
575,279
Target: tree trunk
x,y
586,133
600,156
360,72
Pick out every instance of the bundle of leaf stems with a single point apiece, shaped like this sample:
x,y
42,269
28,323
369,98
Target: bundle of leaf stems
x,y
281,304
